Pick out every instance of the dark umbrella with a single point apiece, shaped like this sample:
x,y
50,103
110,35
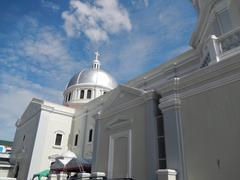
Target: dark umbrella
x,y
78,165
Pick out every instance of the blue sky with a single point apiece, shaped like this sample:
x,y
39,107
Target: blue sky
x,y
44,42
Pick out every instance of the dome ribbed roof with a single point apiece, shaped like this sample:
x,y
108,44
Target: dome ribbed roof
x,y
93,77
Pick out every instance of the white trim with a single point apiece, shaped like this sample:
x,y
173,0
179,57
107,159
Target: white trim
x,y
6,165
112,138
56,111
167,171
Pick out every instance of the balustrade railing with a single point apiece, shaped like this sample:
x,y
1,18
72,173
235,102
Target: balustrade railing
x,y
215,48
229,41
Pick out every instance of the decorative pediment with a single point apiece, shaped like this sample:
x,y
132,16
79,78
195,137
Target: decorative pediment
x,y
32,108
120,96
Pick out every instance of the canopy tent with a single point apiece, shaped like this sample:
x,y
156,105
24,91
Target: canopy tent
x,y
41,174
69,162
58,165
73,165
78,165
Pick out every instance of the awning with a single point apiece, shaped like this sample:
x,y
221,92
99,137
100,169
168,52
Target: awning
x,y
41,174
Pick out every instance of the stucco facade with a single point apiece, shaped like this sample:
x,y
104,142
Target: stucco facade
x,y
178,121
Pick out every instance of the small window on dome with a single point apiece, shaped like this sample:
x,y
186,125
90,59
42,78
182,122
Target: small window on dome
x,y
69,96
82,94
89,94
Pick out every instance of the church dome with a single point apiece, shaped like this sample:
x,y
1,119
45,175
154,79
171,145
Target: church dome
x,y
88,84
93,76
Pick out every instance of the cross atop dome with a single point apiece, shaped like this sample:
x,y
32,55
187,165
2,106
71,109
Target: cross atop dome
x,y
96,63
97,55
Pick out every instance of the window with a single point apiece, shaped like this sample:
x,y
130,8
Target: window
x,y
161,142
58,139
69,96
222,23
82,94
89,94
24,138
76,140
90,135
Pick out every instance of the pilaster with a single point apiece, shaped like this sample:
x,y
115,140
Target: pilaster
x,y
170,105
151,134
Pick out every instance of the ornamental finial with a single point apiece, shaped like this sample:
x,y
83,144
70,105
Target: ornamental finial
x,y
97,55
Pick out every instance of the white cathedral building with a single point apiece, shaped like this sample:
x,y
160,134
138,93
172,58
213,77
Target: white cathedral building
x,y
179,121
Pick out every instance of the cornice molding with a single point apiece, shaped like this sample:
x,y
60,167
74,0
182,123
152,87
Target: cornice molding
x,y
56,111
170,102
214,72
211,85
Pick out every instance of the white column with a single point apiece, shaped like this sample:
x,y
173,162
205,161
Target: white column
x,y
214,48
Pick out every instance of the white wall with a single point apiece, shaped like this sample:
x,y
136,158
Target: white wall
x,y
38,125
50,123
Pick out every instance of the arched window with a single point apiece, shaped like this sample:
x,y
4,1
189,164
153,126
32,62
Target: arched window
x,y
76,140
82,94
59,134
90,135
69,96
89,94
58,139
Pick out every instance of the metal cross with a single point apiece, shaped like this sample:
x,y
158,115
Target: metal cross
x,y
97,55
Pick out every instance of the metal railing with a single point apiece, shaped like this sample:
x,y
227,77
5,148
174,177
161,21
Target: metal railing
x,y
215,48
229,41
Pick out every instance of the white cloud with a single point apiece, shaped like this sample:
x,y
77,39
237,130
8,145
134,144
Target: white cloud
x,y
173,23
146,3
15,94
51,5
131,58
96,21
40,51
34,62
